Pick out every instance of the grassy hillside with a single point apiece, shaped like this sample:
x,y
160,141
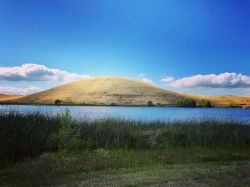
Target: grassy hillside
x,y
105,91
118,91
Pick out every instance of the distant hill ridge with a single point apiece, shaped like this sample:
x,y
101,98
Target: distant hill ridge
x,y
117,91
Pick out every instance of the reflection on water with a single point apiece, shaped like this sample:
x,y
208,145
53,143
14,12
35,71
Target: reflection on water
x,y
137,113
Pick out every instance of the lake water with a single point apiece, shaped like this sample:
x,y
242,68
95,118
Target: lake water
x,y
137,113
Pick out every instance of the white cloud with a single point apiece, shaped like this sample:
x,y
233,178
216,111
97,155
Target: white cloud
x,y
19,90
167,79
37,72
144,79
224,80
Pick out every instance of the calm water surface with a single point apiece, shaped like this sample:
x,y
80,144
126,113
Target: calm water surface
x,y
137,113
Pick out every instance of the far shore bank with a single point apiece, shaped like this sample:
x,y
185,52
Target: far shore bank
x,y
121,105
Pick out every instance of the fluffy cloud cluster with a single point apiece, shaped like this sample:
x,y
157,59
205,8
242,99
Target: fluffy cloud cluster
x,y
224,80
37,72
19,90
147,80
167,79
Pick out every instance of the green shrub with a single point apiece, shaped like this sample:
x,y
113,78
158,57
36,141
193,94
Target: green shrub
x,y
187,102
67,138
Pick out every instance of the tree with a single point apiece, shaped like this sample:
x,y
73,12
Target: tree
x,y
150,103
57,101
204,103
187,102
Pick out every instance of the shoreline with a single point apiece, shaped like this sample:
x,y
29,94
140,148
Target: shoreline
x,y
119,105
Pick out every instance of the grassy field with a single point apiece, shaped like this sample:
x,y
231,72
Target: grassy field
x,y
133,168
41,149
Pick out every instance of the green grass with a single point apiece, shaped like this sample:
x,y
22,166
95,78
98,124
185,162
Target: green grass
x,y
128,167
44,149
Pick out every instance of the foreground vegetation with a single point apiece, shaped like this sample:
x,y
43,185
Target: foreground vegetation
x,y
38,148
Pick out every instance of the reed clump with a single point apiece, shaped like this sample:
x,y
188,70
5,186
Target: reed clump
x,y
28,135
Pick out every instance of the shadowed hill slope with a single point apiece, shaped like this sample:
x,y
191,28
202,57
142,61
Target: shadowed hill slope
x,y
105,91
4,97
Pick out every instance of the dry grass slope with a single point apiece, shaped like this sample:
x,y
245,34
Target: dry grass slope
x,y
118,91
105,91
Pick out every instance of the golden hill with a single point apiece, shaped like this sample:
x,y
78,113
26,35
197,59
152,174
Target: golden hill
x,y
118,91
105,91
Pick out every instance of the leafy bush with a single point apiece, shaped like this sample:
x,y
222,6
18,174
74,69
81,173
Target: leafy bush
x,y
67,138
187,102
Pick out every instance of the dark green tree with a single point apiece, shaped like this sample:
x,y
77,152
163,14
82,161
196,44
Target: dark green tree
x,y
57,101
204,103
150,103
187,102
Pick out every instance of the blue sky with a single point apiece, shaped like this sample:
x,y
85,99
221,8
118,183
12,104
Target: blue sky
x,y
160,39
